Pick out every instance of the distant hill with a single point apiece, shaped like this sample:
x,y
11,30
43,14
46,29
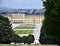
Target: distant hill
x,y
4,10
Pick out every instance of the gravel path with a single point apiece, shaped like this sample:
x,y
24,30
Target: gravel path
x,y
15,25
37,32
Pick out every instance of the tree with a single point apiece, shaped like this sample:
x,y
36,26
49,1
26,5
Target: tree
x,y
30,39
24,39
6,32
16,39
51,23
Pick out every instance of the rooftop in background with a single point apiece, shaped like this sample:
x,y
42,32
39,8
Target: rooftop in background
x,y
24,11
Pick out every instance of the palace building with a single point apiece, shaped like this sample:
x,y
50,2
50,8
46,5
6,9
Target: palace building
x,y
25,18
24,15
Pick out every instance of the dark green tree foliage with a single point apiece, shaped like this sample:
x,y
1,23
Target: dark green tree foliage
x,y
30,39
17,39
24,39
6,32
51,23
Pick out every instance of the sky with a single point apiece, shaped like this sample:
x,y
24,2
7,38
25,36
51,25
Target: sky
x,y
22,4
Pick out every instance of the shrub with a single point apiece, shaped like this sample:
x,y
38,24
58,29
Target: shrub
x,y
24,39
30,39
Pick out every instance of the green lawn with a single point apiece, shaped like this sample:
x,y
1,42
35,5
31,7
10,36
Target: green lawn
x,y
23,31
29,28
24,45
25,26
37,45
6,45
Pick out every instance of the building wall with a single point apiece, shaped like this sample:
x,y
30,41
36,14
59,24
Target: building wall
x,y
34,18
18,18
22,18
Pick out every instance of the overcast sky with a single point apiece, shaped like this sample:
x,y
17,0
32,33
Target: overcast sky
x,y
24,4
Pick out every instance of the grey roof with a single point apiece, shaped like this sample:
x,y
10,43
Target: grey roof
x,y
25,11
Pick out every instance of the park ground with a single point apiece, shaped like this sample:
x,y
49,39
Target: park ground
x,y
28,45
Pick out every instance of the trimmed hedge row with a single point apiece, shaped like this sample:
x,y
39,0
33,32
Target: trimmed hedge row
x,y
25,39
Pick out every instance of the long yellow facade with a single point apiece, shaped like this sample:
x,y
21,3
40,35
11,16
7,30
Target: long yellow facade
x,y
23,18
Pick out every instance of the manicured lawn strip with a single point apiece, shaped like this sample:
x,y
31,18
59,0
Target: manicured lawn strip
x,y
6,45
25,45
23,31
26,26
49,45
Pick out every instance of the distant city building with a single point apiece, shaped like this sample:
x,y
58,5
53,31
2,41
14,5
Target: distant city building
x,y
24,15
25,18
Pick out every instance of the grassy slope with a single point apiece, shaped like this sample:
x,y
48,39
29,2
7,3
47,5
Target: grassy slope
x,y
23,31
25,45
6,45
24,26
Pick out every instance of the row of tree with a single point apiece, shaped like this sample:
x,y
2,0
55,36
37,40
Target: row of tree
x,y
25,39
7,35
6,32
51,24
